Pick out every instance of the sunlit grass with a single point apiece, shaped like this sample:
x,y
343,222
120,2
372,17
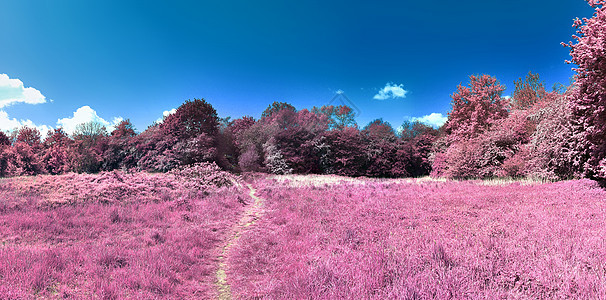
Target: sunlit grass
x,y
424,239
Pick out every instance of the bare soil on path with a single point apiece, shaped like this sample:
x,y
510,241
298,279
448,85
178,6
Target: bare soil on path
x,y
249,217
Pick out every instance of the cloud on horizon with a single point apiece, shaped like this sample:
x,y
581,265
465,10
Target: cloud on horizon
x,y
86,114
13,91
8,124
434,119
391,91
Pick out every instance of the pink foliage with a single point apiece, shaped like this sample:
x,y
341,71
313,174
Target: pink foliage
x,y
283,141
124,129
339,117
274,160
191,119
56,160
30,136
154,151
346,155
535,138
197,149
27,159
477,107
557,148
249,160
298,146
589,99
239,125
528,92
273,109
493,153
58,156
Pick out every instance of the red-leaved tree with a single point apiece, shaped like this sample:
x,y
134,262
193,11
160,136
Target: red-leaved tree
x,y
381,148
58,154
528,92
118,146
476,107
588,52
469,149
185,137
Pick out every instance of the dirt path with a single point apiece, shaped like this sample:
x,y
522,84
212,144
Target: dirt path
x,y
249,217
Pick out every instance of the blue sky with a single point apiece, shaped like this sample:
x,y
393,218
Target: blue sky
x,y
121,59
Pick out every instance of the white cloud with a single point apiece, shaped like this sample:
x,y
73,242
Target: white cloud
x,y
8,124
433,119
340,92
13,91
86,114
165,114
391,91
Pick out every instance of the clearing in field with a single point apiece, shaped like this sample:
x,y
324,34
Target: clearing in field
x,y
141,236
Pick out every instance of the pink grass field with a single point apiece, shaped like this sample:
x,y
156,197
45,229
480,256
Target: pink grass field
x,y
378,239
159,236
112,236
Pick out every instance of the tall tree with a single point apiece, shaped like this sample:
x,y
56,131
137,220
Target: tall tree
x,y
528,92
379,129
187,136
58,153
476,107
191,119
30,136
275,107
118,146
339,116
124,129
347,154
588,52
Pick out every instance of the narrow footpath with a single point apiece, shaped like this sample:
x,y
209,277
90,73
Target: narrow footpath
x,y
249,217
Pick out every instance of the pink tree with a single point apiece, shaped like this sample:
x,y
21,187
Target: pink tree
x,y
7,159
284,139
90,141
589,99
188,136
476,108
346,152
118,146
557,148
30,136
339,116
235,134
153,150
58,155
528,92
27,148
276,107
382,145
125,129
417,139
298,142
191,119
237,126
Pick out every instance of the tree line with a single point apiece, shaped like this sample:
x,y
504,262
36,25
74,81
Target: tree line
x,y
284,140
558,134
